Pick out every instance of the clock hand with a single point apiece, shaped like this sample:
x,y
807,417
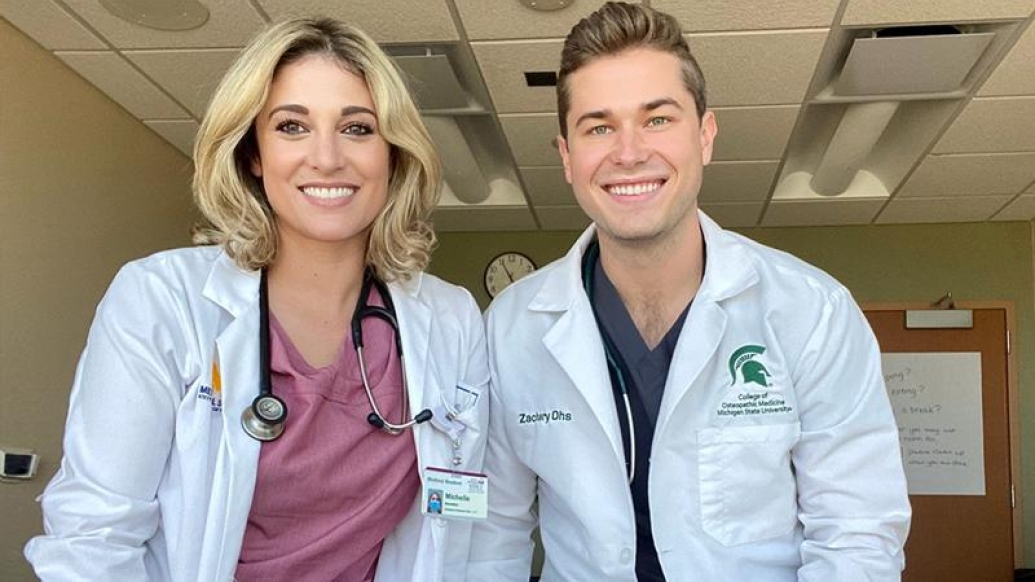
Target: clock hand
x,y
507,271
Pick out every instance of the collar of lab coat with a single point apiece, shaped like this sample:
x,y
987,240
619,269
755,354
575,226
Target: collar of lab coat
x,y
729,270
235,290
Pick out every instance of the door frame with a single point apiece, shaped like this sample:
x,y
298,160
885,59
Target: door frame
x,y
1013,401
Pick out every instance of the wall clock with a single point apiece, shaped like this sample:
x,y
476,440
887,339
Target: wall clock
x,y
504,269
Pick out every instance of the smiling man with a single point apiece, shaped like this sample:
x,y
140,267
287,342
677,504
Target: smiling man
x,y
686,404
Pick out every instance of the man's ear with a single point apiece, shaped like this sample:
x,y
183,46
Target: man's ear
x,y
709,129
562,148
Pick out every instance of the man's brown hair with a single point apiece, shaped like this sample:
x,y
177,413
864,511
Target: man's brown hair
x,y
617,27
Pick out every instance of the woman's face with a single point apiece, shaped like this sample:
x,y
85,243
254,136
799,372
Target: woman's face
x,y
322,160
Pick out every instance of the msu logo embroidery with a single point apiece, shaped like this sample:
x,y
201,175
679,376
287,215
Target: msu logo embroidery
x,y
745,365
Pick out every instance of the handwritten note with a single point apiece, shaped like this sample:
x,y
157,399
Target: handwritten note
x,y
937,402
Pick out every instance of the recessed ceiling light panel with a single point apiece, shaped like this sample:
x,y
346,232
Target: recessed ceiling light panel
x,y
159,14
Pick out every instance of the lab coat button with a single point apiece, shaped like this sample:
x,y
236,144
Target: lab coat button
x,y
627,555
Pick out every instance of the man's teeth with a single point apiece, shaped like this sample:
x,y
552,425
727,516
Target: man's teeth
x,y
341,192
633,189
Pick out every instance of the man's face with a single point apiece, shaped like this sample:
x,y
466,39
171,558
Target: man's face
x,y
635,150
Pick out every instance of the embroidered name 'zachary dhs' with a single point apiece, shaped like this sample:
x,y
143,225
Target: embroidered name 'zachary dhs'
x,y
544,417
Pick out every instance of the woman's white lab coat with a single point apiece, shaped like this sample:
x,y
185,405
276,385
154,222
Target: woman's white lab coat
x,y
158,475
775,455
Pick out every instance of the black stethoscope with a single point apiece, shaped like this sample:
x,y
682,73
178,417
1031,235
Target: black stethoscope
x,y
264,419
589,262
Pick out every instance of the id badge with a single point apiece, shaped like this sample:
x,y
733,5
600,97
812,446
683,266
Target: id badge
x,y
455,494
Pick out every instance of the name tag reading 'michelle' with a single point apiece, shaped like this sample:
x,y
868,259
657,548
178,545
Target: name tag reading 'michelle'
x,y
455,494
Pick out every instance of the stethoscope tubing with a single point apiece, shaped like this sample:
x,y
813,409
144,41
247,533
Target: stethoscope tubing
x,y
264,419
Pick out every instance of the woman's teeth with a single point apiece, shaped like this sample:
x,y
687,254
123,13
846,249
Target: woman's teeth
x,y
327,193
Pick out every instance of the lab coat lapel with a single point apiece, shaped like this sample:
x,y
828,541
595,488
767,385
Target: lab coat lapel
x,y
698,341
414,319
236,462
574,339
728,272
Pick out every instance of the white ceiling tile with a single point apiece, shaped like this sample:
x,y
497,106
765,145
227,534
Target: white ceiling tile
x,y
546,186
737,181
512,19
1022,208
231,23
119,80
562,217
49,25
992,125
753,133
1015,75
970,175
917,11
504,64
191,76
384,20
470,218
531,138
178,133
757,68
821,212
955,209
733,215
695,15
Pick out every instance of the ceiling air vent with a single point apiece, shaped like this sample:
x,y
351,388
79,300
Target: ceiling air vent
x,y
911,59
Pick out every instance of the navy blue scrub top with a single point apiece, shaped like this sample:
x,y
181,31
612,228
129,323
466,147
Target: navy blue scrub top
x,y
645,373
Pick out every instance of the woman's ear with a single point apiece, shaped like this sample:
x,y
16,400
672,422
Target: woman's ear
x,y
256,166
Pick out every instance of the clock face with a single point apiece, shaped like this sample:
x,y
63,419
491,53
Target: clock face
x,y
504,270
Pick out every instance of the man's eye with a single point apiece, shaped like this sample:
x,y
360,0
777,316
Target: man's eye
x,y
599,130
656,121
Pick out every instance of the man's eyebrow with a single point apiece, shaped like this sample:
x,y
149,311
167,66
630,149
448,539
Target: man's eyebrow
x,y
595,114
655,104
648,106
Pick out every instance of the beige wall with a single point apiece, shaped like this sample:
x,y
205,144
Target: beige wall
x,y
878,263
83,188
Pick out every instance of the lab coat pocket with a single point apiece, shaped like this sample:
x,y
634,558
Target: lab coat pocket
x,y
747,487
469,402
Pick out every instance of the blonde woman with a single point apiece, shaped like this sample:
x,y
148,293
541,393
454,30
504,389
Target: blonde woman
x,y
255,409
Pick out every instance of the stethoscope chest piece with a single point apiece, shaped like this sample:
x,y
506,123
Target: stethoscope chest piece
x,y
264,419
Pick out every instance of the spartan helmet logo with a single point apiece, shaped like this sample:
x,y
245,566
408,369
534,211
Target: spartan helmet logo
x,y
751,370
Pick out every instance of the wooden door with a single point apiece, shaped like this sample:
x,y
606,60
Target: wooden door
x,y
963,538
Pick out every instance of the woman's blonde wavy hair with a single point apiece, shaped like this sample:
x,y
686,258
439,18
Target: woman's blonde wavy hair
x,y
231,199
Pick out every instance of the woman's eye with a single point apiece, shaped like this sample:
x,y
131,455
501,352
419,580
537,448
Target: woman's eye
x,y
290,127
358,129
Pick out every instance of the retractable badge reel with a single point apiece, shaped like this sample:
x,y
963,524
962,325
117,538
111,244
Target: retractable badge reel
x,y
449,492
